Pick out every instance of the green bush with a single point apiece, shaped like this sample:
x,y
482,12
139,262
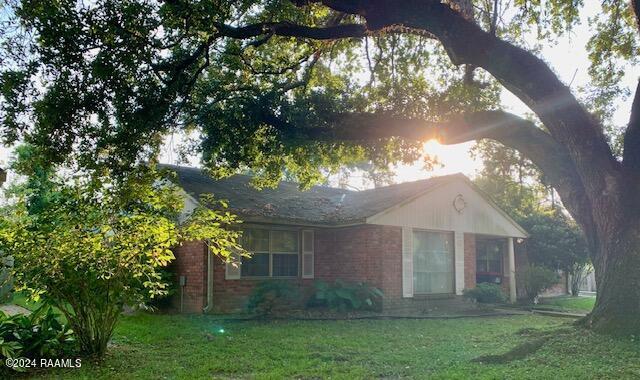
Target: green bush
x,y
486,293
272,296
533,280
91,245
40,334
346,296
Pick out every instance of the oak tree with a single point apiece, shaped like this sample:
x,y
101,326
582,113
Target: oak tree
x,y
308,85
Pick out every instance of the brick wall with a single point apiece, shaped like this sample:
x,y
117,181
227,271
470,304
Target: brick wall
x,y
367,253
469,261
191,263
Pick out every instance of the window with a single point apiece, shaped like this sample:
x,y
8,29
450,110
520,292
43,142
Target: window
x,y
489,255
432,262
274,253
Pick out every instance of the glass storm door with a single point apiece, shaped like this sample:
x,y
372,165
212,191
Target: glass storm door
x,y
432,262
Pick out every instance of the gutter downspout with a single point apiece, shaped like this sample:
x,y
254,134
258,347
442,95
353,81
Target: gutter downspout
x,y
209,305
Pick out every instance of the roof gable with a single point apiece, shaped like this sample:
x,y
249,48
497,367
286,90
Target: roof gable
x,y
434,209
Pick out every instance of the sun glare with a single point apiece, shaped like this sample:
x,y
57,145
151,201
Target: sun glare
x,y
430,146
451,158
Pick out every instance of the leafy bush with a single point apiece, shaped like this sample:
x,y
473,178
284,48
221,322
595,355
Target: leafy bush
x,y
271,296
346,296
534,279
486,293
90,246
34,336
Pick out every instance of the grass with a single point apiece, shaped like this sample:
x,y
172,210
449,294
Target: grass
x,y
191,347
569,303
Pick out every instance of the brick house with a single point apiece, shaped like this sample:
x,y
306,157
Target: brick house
x,y
418,241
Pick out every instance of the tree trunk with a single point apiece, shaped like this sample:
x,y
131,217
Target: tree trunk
x,y
617,308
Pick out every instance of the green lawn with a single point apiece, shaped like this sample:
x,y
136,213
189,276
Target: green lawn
x,y
194,347
581,304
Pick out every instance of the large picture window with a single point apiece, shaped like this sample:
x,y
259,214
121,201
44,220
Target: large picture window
x,y
274,253
432,262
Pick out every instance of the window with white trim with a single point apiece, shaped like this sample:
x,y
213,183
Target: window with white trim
x,y
274,253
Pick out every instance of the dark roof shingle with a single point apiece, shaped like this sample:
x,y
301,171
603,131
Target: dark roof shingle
x,y
319,205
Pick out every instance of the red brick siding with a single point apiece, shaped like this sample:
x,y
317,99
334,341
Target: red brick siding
x,y
367,253
469,261
191,263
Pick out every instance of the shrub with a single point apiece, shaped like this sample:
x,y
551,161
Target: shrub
x,y
40,334
90,246
346,296
534,279
271,296
486,293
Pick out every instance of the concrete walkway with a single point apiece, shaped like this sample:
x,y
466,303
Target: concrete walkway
x,y
11,309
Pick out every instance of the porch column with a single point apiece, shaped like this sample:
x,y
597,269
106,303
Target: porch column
x,y
512,270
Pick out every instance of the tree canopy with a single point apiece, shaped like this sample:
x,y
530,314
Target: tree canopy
x,y
305,85
103,82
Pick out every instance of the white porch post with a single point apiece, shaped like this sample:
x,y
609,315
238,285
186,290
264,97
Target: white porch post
x,y
512,271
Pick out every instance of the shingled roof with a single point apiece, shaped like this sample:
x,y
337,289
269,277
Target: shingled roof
x,y
319,205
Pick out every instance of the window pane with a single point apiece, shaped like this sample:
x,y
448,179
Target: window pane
x,y
432,262
255,266
495,266
308,241
255,240
285,265
284,241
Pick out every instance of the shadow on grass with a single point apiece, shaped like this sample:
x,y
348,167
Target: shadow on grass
x,y
525,349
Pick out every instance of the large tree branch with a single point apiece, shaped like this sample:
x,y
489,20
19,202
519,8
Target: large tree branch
x,y
517,133
632,136
288,29
635,6
518,70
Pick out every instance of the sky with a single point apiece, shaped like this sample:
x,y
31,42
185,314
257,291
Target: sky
x,y
568,59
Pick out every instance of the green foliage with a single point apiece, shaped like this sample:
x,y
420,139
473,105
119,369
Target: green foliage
x,y
101,83
533,280
93,245
272,296
40,334
344,296
517,186
555,242
486,293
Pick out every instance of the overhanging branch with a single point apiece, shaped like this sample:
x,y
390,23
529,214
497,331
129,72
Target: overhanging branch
x,y
288,29
520,71
517,133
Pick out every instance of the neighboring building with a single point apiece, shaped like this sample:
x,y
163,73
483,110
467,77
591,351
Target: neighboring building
x,y
417,241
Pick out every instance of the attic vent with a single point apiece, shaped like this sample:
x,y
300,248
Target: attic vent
x,y
459,203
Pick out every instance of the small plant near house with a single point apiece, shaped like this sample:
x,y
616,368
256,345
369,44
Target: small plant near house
x,y
534,280
486,293
269,297
344,296
40,334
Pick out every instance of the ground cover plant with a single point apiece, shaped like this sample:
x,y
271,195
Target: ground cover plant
x,y
188,347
